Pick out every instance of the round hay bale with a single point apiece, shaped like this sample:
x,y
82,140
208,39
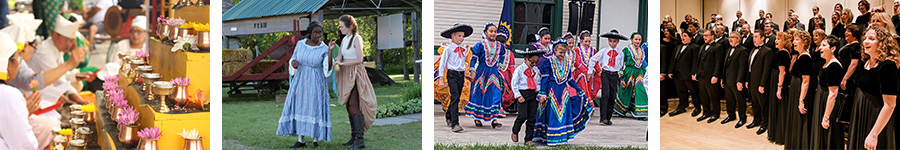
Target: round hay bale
x,y
237,55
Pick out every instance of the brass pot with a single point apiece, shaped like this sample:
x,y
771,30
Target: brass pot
x,y
128,135
60,141
149,78
77,145
77,114
122,55
193,144
89,117
126,64
147,144
180,96
76,123
83,133
163,31
173,32
141,71
114,115
203,40
134,64
162,89
74,107
182,32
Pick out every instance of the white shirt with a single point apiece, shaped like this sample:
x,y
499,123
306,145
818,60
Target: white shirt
x,y
349,51
47,56
451,60
752,56
520,80
125,46
15,132
101,15
610,59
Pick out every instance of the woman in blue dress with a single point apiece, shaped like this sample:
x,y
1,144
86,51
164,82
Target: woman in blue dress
x,y
563,112
306,109
487,92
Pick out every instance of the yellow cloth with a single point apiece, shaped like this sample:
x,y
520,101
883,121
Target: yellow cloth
x,y
442,94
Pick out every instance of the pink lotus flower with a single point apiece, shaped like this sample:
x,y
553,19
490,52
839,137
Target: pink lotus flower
x,y
118,100
176,21
128,116
150,133
111,79
109,86
181,81
141,53
161,20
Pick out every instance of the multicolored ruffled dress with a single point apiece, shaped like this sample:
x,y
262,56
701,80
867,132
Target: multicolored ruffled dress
x,y
566,112
487,89
582,56
632,92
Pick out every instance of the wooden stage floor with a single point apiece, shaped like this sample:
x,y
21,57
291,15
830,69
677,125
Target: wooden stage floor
x,y
684,132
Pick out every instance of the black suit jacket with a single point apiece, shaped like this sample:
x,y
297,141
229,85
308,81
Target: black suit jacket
x,y
698,38
760,24
736,65
761,66
734,25
770,41
747,42
682,63
708,61
666,52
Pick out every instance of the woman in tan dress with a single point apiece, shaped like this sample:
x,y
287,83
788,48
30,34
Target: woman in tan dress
x,y
354,89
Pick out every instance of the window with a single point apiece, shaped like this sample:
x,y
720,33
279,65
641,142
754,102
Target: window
x,y
531,15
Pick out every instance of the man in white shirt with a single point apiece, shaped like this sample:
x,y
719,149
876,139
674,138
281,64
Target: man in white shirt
x,y
453,63
96,14
611,60
525,82
49,55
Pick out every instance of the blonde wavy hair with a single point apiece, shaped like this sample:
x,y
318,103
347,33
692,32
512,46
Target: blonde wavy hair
x,y
804,38
886,19
889,50
784,37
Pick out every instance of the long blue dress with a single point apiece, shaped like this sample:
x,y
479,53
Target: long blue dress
x,y
306,109
566,112
487,90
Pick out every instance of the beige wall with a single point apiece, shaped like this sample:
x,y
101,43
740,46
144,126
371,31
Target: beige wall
x,y
779,8
619,14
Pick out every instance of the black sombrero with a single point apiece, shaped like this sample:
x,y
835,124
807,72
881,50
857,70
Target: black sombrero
x,y
465,28
530,50
614,34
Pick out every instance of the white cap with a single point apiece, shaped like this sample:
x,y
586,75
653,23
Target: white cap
x,y
7,49
139,21
24,20
65,27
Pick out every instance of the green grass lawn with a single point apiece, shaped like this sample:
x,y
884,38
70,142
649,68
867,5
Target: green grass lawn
x,y
250,123
523,147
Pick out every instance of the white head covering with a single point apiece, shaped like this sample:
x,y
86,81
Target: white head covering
x,y
24,20
7,49
139,21
65,27
22,27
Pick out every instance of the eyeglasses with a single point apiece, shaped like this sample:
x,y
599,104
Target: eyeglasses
x,y
138,31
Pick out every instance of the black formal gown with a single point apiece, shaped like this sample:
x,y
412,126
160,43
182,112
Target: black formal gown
x,y
799,136
777,116
880,80
833,137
